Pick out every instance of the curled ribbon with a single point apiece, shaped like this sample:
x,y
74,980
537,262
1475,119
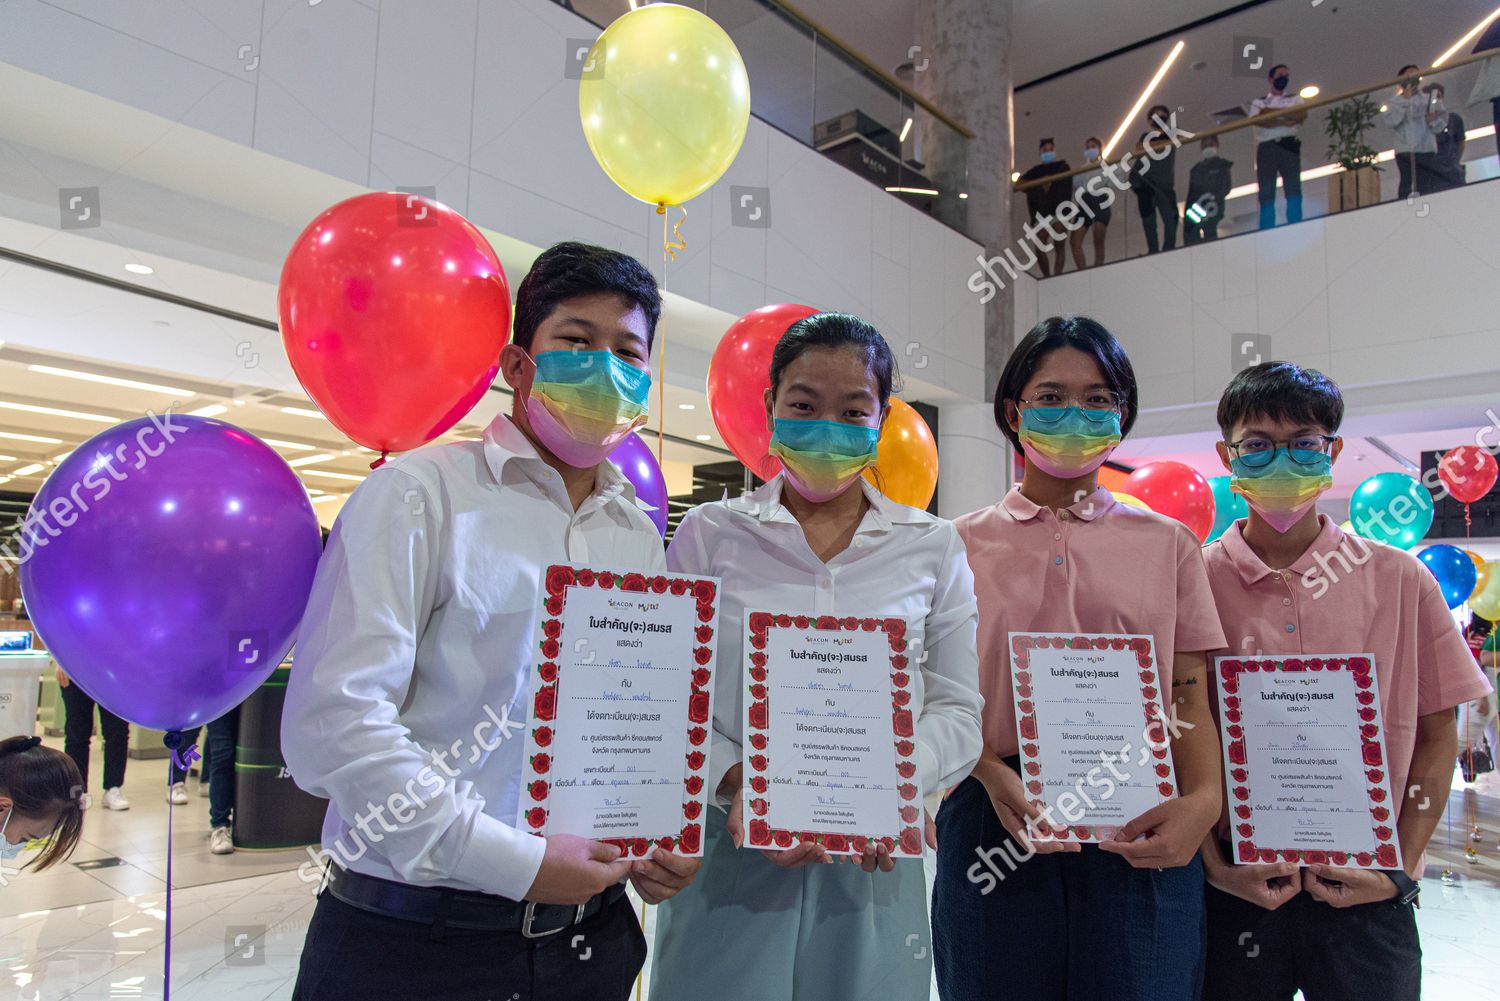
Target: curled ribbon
x,y
184,753
672,244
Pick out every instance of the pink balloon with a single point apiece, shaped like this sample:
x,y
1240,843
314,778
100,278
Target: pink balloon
x,y
1177,491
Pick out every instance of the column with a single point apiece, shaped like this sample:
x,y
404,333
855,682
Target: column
x,y
974,459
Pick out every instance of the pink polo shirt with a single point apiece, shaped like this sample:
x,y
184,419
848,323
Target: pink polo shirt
x,y
1096,567
1347,595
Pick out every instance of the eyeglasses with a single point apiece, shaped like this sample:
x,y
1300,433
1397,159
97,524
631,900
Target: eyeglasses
x,y
1096,404
1305,450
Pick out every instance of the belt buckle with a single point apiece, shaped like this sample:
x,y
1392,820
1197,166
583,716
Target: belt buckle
x,y
530,915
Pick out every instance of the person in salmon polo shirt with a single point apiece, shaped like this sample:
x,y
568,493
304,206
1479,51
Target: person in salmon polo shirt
x,y
1123,919
1288,580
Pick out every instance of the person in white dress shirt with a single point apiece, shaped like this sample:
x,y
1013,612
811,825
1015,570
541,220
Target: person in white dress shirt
x,y
1278,148
820,539
407,699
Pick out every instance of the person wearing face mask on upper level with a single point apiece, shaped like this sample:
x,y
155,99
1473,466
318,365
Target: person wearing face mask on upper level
x,y
41,797
1288,581
1095,203
1278,150
1416,116
414,658
820,538
1209,183
1153,178
1043,200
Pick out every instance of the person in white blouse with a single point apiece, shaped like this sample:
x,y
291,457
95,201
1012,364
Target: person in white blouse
x,y
408,692
818,537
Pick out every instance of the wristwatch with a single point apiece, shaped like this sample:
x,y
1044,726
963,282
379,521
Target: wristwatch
x,y
1407,888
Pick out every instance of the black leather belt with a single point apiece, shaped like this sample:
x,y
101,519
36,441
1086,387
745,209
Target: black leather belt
x,y
442,907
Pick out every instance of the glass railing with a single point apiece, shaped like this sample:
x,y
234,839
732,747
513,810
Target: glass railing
x,y
1400,139
816,89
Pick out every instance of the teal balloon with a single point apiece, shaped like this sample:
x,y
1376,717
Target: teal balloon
x,y
1229,507
1392,508
1456,574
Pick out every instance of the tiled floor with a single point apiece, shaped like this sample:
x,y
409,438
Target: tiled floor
x,y
239,920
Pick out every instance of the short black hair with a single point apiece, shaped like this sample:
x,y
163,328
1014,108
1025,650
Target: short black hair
x,y
1279,66
1046,141
1095,140
836,330
1081,332
1281,391
568,270
1409,66
1158,107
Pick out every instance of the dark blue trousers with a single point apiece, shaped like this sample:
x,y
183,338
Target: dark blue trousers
x,y
1083,926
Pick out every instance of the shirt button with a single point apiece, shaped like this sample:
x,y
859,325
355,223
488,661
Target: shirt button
x,y
1290,628
1058,561
1057,535
1286,601
1063,515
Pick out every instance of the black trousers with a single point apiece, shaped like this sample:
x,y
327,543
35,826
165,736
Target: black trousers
x,y
1279,158
354,955
1155,203
78,733
1420,171
1330,953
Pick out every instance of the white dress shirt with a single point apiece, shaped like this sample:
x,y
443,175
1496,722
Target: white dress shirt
x,y
901,562
414,655
1268,103
1406,115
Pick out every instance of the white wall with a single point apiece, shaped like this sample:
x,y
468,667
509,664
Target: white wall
x,y
471,96
1395,302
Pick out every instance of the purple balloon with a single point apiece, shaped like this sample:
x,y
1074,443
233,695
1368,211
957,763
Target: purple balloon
x,y
166,563
634,458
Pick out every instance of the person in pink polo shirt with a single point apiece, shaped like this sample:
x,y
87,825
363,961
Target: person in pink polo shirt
x,y
1122,920
1287,580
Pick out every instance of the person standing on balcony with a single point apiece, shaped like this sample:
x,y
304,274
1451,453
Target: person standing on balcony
x,y
1278,150
1096,208
1042,202
1416,117
1208,189
1449,171
1154,180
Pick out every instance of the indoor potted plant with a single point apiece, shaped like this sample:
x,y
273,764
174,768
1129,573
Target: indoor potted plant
x,y
1358,184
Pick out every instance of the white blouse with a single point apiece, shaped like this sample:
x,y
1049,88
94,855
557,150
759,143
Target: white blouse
x,y
901,562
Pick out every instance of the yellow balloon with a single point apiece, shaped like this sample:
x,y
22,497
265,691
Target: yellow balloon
x,y
1130,499
1347,527
1483,575
1486,598
665,102
906,463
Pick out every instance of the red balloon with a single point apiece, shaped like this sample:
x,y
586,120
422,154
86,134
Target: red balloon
x,y
739,375
1177,491
393,312
1468,472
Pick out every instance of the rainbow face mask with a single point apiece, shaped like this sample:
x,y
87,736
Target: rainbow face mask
x,y
583,403
1283,489
1068,442
823,458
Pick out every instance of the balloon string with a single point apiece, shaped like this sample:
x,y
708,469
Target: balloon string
x,y
1469,800
183,754
667,254
676,242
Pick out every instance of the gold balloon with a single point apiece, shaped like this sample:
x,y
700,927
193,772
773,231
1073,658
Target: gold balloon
x,y
665,101
906,466
1485,600
1130,499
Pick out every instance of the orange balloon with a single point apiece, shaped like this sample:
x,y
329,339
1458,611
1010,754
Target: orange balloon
x,y
906,467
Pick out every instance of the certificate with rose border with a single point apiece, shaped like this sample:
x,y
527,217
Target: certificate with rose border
x,y
830,739
1305,761
1094,743
621,698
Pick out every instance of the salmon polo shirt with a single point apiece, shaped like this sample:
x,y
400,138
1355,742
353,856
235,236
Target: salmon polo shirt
x,y
1095,567
1349,595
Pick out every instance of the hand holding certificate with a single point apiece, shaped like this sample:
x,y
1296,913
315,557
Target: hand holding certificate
x,y
622,692
1304,756
830,752
1094,747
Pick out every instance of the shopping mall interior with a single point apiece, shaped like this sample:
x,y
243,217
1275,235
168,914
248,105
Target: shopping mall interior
x,y
160,162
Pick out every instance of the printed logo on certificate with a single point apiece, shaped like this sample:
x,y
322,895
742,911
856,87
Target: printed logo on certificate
x,y
1093,735
830,752
1305,762
621,698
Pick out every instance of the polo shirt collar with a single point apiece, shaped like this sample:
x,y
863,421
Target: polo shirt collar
x,y
1022,508
764,505
1252,568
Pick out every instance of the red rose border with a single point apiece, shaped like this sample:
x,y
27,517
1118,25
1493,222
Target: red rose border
x,y
908,842
1029,739
1242,822
557,580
